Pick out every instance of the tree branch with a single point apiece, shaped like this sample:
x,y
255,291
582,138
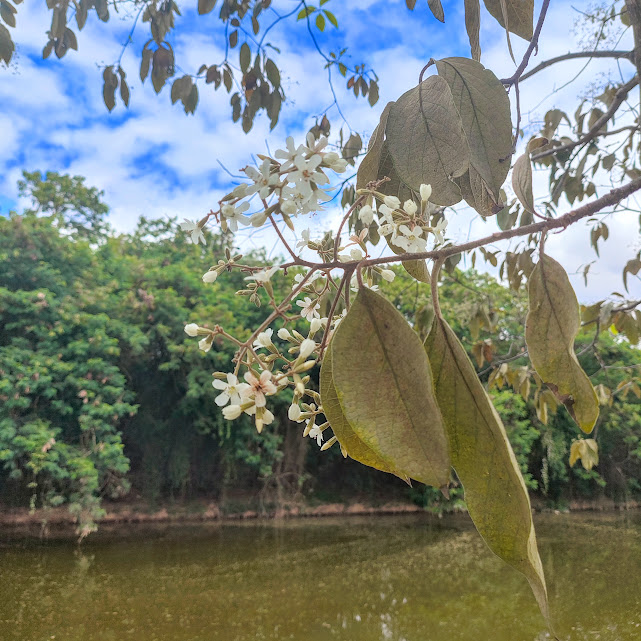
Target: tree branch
x,y
534,44
626,55
593,133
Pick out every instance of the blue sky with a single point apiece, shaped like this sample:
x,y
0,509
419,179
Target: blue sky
x,y
153,160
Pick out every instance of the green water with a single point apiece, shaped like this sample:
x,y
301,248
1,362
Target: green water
x,y
411,578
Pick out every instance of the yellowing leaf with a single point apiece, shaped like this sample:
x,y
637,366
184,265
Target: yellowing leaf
x,y
587,451
343,431
522,182
483,459
426,140
484,108
384,386
520,15
550,329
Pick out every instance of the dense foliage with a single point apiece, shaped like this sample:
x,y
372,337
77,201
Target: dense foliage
x,y
103,396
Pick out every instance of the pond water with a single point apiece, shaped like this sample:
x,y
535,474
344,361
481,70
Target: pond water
x,y
411,578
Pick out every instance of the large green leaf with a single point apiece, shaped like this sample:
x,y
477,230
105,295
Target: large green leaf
x,y
426,140
482,457
350,441
520,15
552,324
384,385
484,108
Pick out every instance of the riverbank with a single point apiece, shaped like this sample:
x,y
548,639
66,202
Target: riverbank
x,y
194,512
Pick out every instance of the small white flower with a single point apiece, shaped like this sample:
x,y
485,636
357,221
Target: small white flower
x,y
264,339
388,275
306,173
210,276
264,179
335,162
392,202
195,232
439,230
316,433
288,207
294,412
410,239
366,214
305,239
205,343
386,229
426,192
309,308
315,325
231,412
283,333
259,387
306,348
410,207
191,329
234,215
232,390
386,214
354,255
264,275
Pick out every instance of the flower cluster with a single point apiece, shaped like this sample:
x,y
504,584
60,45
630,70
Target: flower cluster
x,y
292,184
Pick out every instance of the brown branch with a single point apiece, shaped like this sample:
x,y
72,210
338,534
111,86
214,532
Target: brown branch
x,y
634,13
626,55
593,133
534,44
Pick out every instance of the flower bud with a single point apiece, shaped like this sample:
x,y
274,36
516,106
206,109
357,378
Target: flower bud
x,y
388,275
231,412
392,202
191,329
294,412
283,333
210,276
426,192
315,325
205,343
306,348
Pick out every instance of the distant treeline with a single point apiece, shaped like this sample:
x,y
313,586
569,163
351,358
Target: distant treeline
x,y
102,395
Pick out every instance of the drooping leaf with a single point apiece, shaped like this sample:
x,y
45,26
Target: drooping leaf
x,y
587,450
349,440
476,193
384,386
109,87
205,6
520,14
6,45
482,457
473,26
426,140
368,169
550,329
522,182
484,108
437,9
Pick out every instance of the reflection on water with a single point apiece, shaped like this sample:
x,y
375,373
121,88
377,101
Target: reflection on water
x,y
410,578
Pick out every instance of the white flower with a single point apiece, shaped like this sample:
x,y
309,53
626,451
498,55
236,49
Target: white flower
x,y
264,179
366,214
191,329
410,239
283,333
264,339
305,239
231,412
385,213
232,390
335,162
392,202
290,153
316,433
306,174
388,275
264,275
194,230
210,276
410,207
288,207
315,325
259,387
386,229
354,255
309,308
263,417
439,230
205,343
234,215
258,219
294,412
306,348
426,192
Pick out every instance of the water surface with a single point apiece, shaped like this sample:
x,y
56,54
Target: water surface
x,y
402,578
